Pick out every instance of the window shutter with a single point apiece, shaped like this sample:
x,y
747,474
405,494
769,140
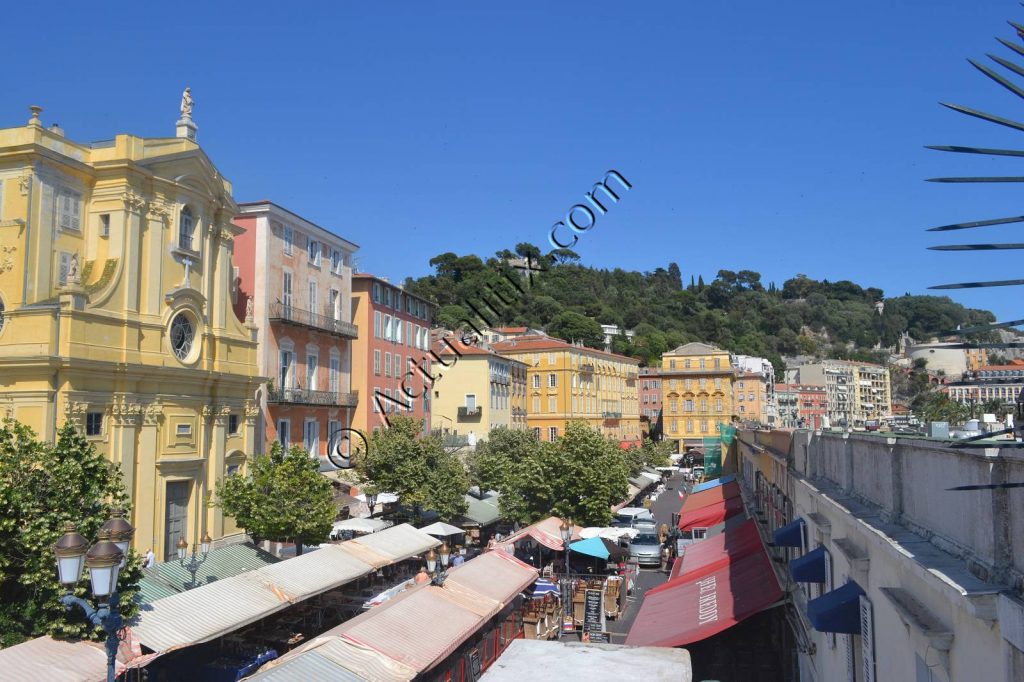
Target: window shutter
x,y
867,639
851,668
75,198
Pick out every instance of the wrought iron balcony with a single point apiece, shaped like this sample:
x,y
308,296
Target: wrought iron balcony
x,y
302,396
289,314
469,412
612,415
587,369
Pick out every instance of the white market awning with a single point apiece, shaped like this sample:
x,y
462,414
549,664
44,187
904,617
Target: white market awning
x,y
442,529
359,525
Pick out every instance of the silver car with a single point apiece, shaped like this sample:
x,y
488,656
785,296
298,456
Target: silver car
x,y
645,549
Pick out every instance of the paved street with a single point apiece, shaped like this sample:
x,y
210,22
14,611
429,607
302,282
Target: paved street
x,y
668,503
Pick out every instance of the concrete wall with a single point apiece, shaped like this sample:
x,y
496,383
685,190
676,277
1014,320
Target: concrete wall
x,y
942,569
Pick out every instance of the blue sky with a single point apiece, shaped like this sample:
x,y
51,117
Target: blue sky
x,y
779,137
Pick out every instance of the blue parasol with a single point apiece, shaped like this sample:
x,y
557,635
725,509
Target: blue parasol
x,y
544,587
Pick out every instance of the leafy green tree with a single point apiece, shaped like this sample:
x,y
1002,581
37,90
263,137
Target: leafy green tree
x,y
42,487
417,468
941,408
649,454
996,407
283,498
579,476
572,326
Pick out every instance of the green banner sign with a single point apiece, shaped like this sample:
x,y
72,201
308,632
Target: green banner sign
x,y
728,432
712,458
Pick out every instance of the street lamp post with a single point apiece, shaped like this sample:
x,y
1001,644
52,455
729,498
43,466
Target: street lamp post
x,y
105,560
437,564
194,562
566,532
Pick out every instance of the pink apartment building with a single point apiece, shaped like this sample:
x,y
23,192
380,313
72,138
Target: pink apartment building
x,y
298,278
393,347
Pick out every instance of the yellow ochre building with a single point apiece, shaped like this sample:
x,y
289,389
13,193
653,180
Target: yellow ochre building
x,y
478,391
567,382
116,287
697,392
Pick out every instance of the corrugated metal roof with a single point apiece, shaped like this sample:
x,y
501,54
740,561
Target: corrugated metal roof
x,y
482,511
313,573
496,575
206,612
222,562
44,659
152,588
333,658
419,628
225,605
397,543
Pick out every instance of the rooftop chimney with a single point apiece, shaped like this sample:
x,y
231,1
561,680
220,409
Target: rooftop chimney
x,y
57,130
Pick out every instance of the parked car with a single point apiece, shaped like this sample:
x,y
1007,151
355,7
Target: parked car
x,y
645,549
628,517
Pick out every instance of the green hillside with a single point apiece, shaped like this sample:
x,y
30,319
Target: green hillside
x,y
736,310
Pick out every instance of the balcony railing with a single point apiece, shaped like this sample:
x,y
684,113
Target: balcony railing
x,y
302,396
279,312
612,415
587,369
469,412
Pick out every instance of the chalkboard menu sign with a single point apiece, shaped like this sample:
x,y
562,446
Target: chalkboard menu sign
x,y
474,669
593,611
596,638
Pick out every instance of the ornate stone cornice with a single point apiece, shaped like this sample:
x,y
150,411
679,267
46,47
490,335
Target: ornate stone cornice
x,y
252,410
24,182
7,258
158,211
225,235
132,201
151,414
125,413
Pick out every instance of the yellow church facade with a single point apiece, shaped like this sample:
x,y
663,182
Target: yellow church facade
x,y
116,289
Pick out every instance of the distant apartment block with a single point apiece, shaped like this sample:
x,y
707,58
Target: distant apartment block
x,y
992,382
391,358
611,331
298,277
856,391
697,393
567,382
479,391
755,389
802,406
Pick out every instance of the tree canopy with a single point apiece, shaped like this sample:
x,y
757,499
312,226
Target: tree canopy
x,y
735,310
579,476
43,486
417,468
283,498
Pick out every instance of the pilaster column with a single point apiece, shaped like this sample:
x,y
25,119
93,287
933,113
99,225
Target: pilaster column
x,y
133,209
157,219
146,512
125,417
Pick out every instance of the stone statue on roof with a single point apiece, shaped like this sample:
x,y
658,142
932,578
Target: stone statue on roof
x,y
186,103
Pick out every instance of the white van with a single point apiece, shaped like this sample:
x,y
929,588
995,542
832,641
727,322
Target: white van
x,y
629,517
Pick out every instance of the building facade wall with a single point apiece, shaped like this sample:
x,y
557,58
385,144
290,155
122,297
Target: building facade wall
x,y
151,240
299,277
384,358
568,383
697,386
942,580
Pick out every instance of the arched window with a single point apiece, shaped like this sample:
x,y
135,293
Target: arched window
x,y
186,227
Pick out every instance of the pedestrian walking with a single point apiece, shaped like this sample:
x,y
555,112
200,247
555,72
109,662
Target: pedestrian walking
x,y
150,561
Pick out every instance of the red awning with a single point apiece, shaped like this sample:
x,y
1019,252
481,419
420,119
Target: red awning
x,y
711,597
713,553
627,444
710,496
705,517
